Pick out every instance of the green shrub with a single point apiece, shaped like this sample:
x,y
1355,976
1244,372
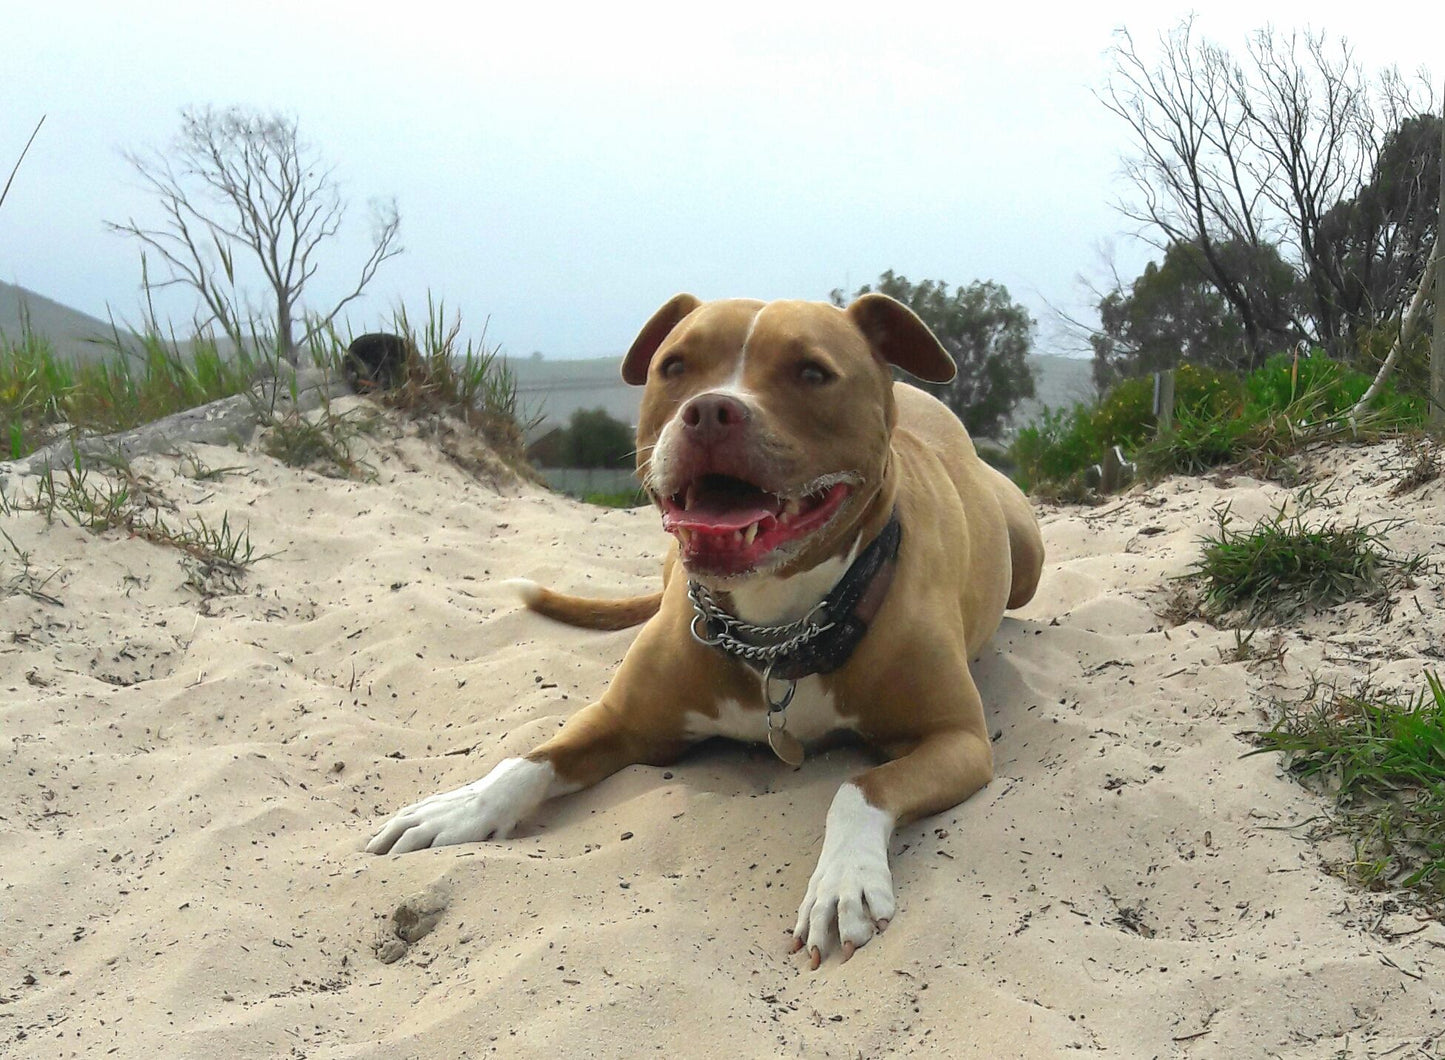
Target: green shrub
x,y
1064,443
1054,448
1258,421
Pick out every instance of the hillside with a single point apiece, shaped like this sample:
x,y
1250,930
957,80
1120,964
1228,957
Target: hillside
x,y
72,333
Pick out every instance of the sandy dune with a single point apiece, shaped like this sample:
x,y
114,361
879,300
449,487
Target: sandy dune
x,y
186,783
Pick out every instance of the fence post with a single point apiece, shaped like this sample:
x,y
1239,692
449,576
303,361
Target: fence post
x,y
1164,400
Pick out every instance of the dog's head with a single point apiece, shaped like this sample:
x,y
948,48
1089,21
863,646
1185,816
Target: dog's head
x,y
764,430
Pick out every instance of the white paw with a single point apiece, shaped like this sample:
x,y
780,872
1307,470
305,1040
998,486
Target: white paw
x,y
484,809
851,892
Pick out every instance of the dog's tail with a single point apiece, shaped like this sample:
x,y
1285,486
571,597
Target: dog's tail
x,y
583,611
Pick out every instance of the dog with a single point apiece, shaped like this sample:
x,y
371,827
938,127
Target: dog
x,y
839,554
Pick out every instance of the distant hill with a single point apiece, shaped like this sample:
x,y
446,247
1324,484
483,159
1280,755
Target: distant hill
x,y
71,333
554,389
1059,383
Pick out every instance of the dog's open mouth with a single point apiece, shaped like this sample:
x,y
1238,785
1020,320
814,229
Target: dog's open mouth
x,y
725,525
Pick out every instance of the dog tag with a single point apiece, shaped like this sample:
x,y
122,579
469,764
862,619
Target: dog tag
x,y
786,746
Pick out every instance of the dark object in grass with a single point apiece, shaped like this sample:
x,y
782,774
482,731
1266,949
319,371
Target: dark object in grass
x,y
376,361
1280,567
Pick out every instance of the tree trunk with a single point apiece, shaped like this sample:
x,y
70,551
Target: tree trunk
x,y
285,341
1411,320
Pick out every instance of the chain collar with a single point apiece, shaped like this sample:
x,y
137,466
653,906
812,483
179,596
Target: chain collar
x,y
819,642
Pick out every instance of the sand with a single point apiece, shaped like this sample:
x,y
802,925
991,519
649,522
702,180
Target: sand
x,y
187,780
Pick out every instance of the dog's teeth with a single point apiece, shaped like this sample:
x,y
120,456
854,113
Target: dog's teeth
x,y
737,537
687,499
749,535
684,537
791,510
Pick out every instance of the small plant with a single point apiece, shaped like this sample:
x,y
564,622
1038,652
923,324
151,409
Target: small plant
x,y
1424,467
1245,650
26,582
469,381
96,508
193,467
1281,566
125,503
1385,763
324,440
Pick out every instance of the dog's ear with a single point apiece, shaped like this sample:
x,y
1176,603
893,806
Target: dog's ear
x,y
899,337
634,365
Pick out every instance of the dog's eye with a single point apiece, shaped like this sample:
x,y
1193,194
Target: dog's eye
x,y
814,374
673,367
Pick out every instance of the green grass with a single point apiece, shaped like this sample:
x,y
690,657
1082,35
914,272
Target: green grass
x,y
324,440
467,380
634,498
99,502
1386,764
1257,422
1283,566
44,395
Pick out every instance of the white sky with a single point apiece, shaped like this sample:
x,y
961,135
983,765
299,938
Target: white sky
x,y
564,173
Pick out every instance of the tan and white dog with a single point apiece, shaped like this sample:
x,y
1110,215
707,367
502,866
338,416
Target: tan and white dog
x,y
841,553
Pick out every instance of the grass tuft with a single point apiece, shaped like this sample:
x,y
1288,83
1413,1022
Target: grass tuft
x,y
1282,566
44,396
324,441
469,381
123,503
1385,763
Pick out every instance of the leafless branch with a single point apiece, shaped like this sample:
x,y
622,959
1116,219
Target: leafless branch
x,y
240,189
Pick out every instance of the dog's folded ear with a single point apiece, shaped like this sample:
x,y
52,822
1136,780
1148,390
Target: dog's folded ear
x,y
634,365
899,337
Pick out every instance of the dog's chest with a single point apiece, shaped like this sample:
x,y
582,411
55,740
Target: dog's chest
x,y
811,715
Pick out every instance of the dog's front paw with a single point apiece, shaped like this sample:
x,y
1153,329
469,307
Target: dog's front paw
x,y
851,892
484,809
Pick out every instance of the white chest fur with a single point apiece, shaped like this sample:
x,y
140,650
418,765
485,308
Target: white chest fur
x,y
811,715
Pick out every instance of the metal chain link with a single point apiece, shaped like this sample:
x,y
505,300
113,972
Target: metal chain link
x,y
782,640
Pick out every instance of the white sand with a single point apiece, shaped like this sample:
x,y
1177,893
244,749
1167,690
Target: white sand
x,y
186,786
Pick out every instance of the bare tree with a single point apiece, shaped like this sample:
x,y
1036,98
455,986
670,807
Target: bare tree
x,y
1275,152
240,189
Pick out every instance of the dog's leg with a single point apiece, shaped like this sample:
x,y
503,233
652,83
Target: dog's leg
x,y
595,743
851,890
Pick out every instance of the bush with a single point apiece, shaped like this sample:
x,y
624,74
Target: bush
x,y
1218,419
1062,444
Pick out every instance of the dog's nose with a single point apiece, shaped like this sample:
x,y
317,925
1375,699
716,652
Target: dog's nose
x,y
713,418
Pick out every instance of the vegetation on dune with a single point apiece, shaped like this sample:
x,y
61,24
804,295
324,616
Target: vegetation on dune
x,y
1287,564
44,395
1384,763
1258,420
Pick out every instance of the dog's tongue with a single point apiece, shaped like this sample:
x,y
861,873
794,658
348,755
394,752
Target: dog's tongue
x,y
703,516
723,506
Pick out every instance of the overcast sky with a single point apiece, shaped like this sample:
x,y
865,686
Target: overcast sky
x,y
564,173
